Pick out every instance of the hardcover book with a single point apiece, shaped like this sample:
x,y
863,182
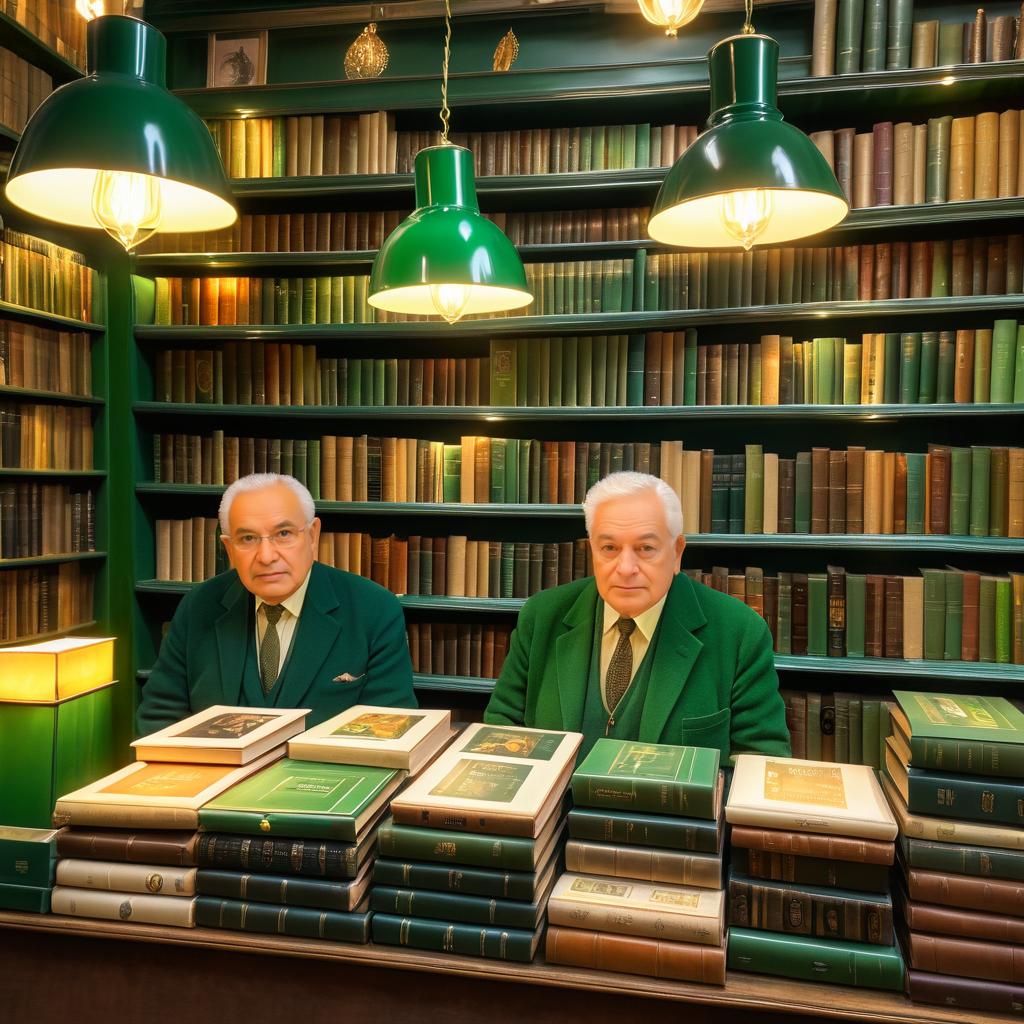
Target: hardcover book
x,y
809,796
222,735
27,856
656,777
302,922
110,875
645,863
169,848
972,924
286,890
502,779
383,737
304,798
122,906
55,669
157,795
282,856
964,993
33,899
807,844
671,912
449,937
820,871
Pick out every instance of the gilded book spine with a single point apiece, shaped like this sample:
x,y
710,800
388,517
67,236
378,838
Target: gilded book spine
x,y
237,915
287,890
279,856
466,939
145,878
456,907
648,922
647,864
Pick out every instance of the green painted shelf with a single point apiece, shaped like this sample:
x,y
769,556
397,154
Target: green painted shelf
x,y
593,414
9,391
48,474
15,312
30,47
826,314
50,635
71,556
451,684
9,138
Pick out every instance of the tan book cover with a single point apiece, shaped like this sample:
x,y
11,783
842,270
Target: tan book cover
x,y
691,491
646,863
502,779
381,737
122,906
157,880
961,159
808,796
986,156
903,164
1009,153
913,617
771,493
159,795
222,735
627,907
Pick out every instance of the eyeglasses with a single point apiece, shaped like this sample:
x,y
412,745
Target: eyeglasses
x,y
286,537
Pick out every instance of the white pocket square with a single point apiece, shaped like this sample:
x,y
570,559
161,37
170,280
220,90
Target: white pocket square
x,y
347,677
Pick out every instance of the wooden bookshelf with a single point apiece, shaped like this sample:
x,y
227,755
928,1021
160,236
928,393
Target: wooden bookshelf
x,y
17,38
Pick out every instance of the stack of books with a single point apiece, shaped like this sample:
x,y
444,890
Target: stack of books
x,y
474,846
290,850
953,774
27,859
643,891
809,883
109,868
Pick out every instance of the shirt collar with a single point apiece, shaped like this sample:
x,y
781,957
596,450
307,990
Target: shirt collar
x,y
646,621
292,604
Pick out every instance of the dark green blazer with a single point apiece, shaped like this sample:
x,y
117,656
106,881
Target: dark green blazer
x,y
713,681
348,625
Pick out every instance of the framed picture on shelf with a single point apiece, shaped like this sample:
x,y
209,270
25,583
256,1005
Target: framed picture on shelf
x,y
236,59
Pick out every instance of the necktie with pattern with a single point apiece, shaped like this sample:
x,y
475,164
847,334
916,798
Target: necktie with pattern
x,y
620,668
270,647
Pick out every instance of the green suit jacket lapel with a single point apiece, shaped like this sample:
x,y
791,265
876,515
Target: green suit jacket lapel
x,y
572,657
674,657
233,640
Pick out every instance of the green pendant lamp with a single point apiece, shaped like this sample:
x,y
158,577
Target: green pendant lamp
x,y
750,177
116,150
446,258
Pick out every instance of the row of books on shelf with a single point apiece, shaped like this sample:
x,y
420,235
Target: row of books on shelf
x,y
845,728
882,35
43,600
468,649
44,359
947,159
964,491
57,23
36,436
22,88
307,145
647,282
359,230
46,519
47,277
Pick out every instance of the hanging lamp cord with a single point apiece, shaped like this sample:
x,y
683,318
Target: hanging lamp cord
x,y
748,24
445,112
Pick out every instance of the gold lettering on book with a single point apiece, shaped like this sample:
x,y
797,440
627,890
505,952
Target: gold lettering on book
x,y
597,887
675,899
818,785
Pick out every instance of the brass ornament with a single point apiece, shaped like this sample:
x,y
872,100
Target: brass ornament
x,y
506,52
367,57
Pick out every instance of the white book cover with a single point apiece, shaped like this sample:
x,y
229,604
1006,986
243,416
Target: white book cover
x,y
156,880
155,795
494,778
222,735
809,796
382,737
123,906
674,913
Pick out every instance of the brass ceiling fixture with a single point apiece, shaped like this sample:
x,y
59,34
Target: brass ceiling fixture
x,y
506,52
368,56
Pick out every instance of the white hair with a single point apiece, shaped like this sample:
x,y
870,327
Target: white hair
x,y
621,485
259,482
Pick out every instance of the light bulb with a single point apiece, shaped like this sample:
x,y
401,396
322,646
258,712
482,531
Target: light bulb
x,y
127,206
89,9
670,15
450,300
745,214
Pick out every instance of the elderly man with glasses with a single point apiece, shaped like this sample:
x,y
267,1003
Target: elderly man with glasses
x,y
280,629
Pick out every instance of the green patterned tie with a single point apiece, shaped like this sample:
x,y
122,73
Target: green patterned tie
x,y
270,647
620,668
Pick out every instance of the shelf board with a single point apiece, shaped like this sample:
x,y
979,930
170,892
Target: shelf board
x,y
71,556
452,684
9,391
52,634
47,474
826,314
593,414
15,312
9,138
17,38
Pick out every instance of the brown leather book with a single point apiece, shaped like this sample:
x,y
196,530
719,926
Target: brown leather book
x,y
961,159
977,38
969,637
986,156
899,494
836,490
866,272
882,285
844,160
964,993
972,924
882,155
993,895
681,961
836,612
707,468
920,163
177,849
963,372
819,490
823,50
999,486
972,958
873,472
787,495
807,844
1009,153
1002,36
924,44
920,270
939,459
798,621
894,616
863,170
855,489
874,616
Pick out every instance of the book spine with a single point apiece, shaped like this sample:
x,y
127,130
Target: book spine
x,y
972,958
449,906
456,848
131,847
239,915
783,867
310,826
119,906
465,939
966,796
322,894
281,856
144,878
659,796
992,895
510,885
646,864
643,921
972,756
645,830
977,861
481,822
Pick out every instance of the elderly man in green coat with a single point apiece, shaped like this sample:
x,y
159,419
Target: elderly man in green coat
x,y
639,651
280,629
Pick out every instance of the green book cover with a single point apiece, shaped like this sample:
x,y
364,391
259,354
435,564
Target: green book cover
x,y
824,371
503,371
1004,347
934,613
891,378
322,300
614,158
639,276
875,24
585,377
901,18
1018,367
451,482
817,613
512,447
28,856
940,794
379,382
952,644
317,801
313,467
570,360
842,726
940,268
309,296
599,150
1004,619
498,452
855,595
977,735
753,494
450,906
655,777
464,939
32,899
954,859
555,361
630,828
806,958
927,386
982,366
910,367
869,729
643,146
288,890
784,615
951,43
980,483
947,367
960,489
813,727
513,885
277,143
689,367
629,133
304,922
462,848
856,738
599,368
849,32
802,493
635,370
916,470
937,156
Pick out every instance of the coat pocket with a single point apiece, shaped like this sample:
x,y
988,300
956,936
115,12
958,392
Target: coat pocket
x,y
707,731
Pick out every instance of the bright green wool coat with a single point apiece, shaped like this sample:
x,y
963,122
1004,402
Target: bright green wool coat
x,y
348,625
713,681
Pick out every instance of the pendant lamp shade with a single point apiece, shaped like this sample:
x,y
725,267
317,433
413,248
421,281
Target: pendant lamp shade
x,y
750,177
447,258
117,146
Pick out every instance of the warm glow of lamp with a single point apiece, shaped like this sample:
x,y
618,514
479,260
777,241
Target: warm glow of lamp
x,y
89,9
671,15
745,214
55,669
127,206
